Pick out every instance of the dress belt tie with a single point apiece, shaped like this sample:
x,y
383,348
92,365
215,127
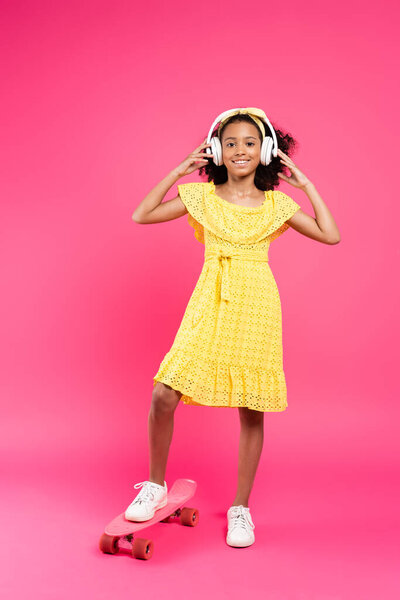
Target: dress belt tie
x,y
223,255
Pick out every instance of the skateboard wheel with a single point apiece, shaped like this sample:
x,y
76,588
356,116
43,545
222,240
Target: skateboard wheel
x,y
166,520
189,516
109,544
142,548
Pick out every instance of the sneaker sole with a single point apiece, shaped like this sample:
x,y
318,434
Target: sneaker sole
x,y
240,545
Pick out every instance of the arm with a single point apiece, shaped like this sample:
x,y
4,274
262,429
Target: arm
x,y
323,227
152,209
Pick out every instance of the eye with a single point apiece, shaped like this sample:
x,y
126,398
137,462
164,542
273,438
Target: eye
x,y
229,143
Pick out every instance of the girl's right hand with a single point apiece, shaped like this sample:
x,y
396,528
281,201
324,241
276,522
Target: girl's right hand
x,y
194,161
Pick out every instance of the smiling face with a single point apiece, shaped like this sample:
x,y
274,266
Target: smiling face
x,y
241,147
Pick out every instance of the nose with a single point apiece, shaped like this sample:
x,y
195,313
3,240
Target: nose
x,y
239,150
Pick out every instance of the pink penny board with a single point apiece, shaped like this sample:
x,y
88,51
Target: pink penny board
x,y
122,530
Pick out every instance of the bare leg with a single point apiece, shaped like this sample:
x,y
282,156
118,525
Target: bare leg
x,y
160,429
250,447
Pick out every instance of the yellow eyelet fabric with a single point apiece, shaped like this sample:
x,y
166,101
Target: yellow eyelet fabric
x,y
228,348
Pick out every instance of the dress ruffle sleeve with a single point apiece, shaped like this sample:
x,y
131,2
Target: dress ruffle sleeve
x,y
284,208
192,195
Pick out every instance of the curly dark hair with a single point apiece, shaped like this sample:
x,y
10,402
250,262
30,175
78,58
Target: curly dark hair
x,y
266,177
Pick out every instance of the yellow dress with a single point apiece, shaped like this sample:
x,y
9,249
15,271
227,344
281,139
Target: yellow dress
x,y
228,348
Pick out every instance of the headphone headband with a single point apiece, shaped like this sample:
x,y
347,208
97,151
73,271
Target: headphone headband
x,y
257,112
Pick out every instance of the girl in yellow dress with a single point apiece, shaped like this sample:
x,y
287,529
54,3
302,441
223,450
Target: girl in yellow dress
x,y
228,348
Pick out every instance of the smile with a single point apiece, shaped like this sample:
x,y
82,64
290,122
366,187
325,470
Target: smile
x,y
240,162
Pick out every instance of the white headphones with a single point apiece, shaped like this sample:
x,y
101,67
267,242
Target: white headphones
x,y
269,146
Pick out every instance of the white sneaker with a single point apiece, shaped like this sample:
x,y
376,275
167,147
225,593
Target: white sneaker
x,y
151,497
240,527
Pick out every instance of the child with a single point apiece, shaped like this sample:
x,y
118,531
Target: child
x,y
228,348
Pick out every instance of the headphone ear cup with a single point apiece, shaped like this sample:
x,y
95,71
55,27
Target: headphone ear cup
x,y
266,150
216,150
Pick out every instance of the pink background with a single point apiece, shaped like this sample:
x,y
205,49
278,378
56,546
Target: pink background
x,y
100,101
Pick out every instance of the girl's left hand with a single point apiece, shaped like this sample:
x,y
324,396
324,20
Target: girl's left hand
x,y
297,178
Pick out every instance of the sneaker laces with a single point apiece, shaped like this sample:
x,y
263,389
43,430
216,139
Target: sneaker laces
x,y
146,493
241,518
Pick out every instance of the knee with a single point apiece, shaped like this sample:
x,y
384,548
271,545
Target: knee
x,y
164,399
251,418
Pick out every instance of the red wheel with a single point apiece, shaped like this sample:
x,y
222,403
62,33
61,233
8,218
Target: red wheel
x,y
166,520
142,548
109,544
190,516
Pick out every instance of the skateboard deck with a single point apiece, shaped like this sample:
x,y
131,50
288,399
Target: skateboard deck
x,y
119,533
